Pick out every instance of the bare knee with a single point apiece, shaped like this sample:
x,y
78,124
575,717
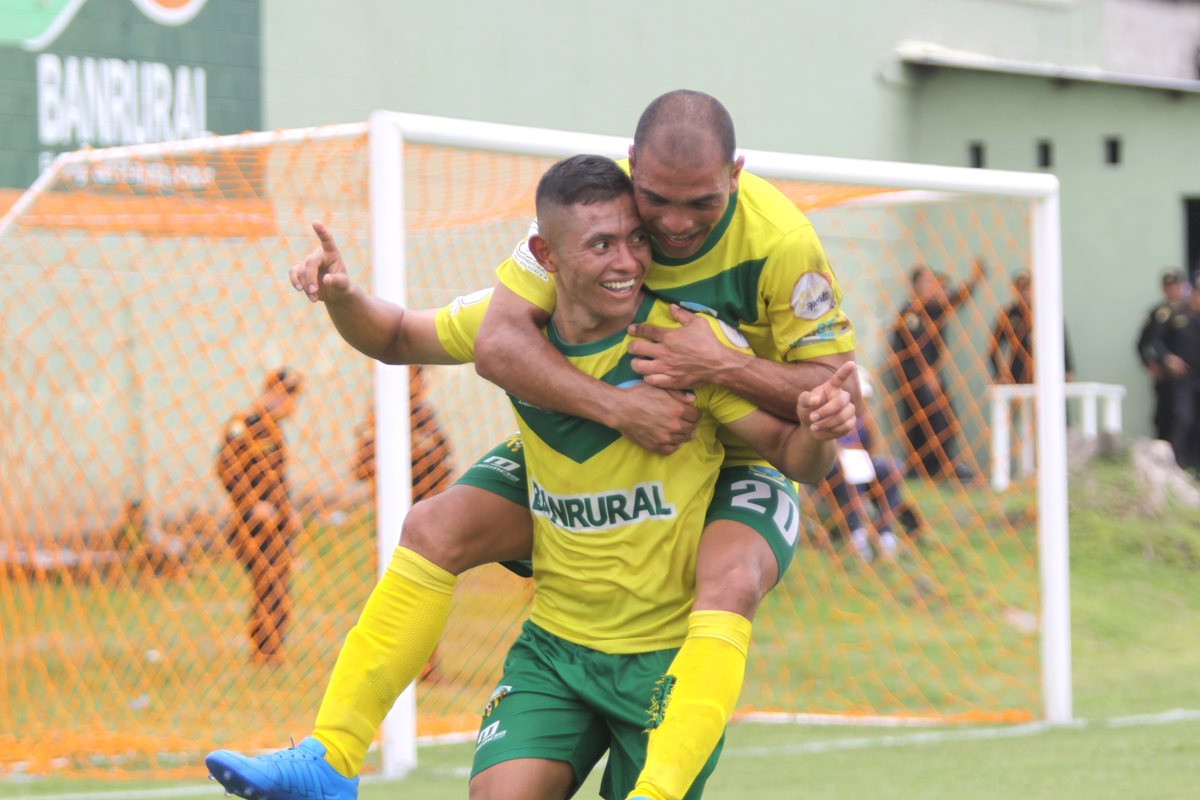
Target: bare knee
x,y
735,569
427,534
739,590
464,527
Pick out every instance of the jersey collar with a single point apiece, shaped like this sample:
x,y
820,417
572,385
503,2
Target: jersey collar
x,y
600,345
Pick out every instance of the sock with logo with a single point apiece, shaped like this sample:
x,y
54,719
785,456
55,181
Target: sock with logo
x,y
708,672
382,654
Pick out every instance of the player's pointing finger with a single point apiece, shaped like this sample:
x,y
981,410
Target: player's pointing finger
x,y
842,375
327,242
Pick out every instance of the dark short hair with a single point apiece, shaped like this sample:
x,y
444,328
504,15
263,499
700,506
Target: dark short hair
x,y
581,180
1171,277
691,109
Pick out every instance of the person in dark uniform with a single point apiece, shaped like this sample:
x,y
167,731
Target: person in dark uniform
x,y
918,347
252,466
432,470
1011,351
1174,338
1174,289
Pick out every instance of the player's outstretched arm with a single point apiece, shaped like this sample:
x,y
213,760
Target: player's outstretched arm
x,y
377,328
512,353
792,446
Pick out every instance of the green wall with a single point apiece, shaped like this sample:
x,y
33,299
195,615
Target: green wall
x,y
803,76
796,75
1122,224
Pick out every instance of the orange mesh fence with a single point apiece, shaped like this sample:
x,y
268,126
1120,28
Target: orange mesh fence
x,y
146,308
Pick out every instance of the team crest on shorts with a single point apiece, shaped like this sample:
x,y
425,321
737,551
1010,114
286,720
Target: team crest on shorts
x,y
501,692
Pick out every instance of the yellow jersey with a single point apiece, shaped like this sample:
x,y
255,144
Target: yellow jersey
x,y
616,527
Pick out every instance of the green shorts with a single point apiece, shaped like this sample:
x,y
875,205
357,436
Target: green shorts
x,y
501,471
563,702
761,498
757,496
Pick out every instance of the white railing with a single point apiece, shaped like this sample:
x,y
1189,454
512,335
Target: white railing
x,y
1004,397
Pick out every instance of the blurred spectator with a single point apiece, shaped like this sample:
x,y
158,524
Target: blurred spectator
x,y
1174,290
862,479
1011,351
1174,341
252,466
144,546
918,346
431,467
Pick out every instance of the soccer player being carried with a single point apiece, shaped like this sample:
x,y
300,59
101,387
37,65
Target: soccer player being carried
x,y
722,240
616,527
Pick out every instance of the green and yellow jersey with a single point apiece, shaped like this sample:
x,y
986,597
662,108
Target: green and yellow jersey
x,y
616,527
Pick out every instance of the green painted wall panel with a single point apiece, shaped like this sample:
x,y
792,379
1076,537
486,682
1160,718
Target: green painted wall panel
x,y
1122,224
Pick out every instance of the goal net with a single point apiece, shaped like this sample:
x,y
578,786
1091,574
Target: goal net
x,y
145,303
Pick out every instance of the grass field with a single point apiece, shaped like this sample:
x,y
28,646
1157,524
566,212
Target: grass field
x,y
1136,610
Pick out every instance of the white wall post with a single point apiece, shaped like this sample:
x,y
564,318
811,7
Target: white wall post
x,y
1000,453
1112,410
1088,410
1028,445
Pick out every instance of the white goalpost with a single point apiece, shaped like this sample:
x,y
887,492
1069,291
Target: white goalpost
x,y
175,254
1046,268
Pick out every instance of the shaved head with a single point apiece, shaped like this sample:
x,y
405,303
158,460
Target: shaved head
x,y
684,127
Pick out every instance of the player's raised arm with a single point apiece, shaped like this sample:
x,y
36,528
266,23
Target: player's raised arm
x,y
377,328
793,447
512,352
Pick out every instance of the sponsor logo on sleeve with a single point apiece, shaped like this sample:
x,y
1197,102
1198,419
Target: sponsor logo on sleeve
x,y
524,257
828,331
812,296
474,298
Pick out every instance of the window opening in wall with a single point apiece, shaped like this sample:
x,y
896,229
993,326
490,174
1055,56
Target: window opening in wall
x,y
976,154
1045,153
1112,149
1191,218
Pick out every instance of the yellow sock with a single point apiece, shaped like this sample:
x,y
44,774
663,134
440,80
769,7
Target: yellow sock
x,y
382,654
708,672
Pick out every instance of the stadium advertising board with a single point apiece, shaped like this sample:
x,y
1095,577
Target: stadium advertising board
x,y
103,73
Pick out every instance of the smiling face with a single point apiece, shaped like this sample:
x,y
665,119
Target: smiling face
x,y
682,195
598,253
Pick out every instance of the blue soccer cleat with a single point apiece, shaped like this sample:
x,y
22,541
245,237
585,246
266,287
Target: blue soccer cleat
x,y
298,773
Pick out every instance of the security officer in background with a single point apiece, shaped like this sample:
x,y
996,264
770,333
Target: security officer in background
x,y
1149,342
432,470
918,347
1175,340
252,466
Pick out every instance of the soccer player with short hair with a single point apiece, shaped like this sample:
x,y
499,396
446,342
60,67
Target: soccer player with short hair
x,y
723,241
616,527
